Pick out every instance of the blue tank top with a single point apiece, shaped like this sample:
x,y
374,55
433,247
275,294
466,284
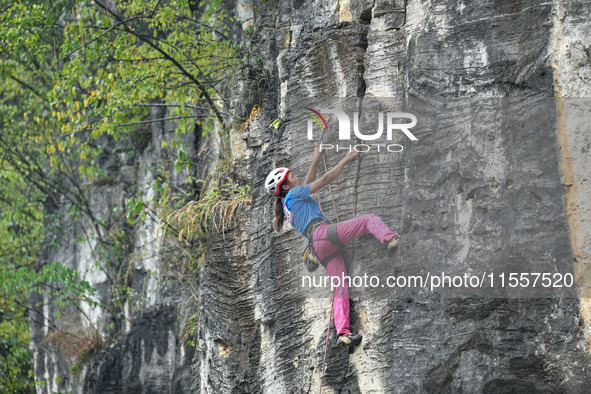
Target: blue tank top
x,y
300,208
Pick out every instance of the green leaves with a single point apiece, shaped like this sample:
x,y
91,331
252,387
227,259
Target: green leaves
x,y
183,160
275,124
93,71
134,208
74,74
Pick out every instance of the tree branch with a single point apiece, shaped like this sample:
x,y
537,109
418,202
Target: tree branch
x,y
169,58
121,22
156,120
28,87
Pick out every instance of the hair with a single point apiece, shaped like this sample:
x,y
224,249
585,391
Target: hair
x,y
279,215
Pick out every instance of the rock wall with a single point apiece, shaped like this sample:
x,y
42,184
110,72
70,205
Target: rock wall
x,y
142,350
459,196
480,195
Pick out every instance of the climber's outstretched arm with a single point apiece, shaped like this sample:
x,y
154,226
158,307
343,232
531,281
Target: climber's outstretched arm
x,y
332,174
311,176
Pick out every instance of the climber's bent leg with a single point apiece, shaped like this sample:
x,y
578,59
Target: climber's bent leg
x,y
364,224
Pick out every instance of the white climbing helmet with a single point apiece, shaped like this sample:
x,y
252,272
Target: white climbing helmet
x,y
275,179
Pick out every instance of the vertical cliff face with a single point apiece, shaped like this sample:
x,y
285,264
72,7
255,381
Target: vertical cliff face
x,y
497,179
478,195
134,346
571,61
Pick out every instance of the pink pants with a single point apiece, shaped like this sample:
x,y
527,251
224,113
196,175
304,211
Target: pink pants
x,y
347,231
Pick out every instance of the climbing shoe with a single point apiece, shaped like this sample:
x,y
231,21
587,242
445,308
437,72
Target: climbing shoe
x,y
349,339
393,243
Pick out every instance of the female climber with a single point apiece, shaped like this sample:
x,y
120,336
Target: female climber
x,y
304,214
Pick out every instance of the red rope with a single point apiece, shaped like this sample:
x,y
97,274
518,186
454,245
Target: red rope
x,y
326,345
332,300
331,196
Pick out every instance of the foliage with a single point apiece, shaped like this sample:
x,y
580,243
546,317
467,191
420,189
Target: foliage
x,y
275,124
253,113
112,69
76,75
16,369
190,328
214,209
189,332
80,343
21,238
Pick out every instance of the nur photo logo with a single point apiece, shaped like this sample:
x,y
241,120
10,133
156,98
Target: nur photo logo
x,y
395,122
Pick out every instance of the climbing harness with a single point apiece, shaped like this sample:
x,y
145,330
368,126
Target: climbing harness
x,y
309,257
331,233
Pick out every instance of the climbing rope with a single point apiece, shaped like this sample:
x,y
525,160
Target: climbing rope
x,y
329,186
332,300
326,345
331,196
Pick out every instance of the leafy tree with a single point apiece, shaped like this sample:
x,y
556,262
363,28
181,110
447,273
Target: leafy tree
x,y
75,73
